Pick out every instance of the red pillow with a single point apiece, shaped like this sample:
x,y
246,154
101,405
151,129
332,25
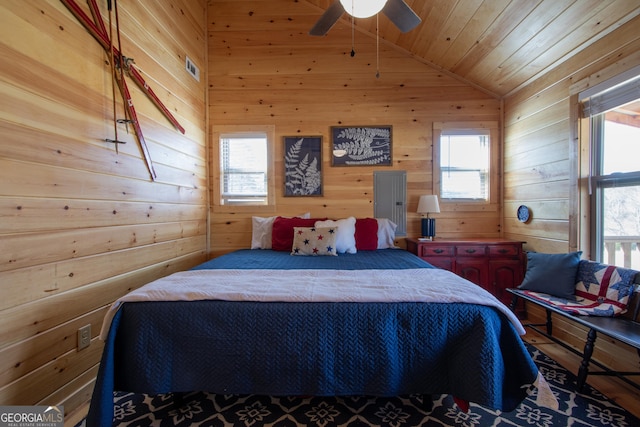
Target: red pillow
x,y
282,234
366,234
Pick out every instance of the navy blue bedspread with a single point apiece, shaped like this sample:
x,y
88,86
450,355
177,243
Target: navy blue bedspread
x,y
382,259
470,351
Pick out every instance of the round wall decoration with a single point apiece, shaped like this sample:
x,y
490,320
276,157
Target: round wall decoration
x,y
523,213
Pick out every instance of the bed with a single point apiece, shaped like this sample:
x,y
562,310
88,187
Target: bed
x,y
173,335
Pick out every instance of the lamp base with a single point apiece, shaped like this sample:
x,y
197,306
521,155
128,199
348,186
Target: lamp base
x,y
428,228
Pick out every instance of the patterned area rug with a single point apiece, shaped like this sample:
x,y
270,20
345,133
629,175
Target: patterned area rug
x,y
201,409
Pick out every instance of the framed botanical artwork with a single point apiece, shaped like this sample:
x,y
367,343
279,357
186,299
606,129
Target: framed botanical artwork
x,y
361,146
303,166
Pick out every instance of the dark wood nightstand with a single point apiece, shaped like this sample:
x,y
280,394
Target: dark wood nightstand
x,y
494,264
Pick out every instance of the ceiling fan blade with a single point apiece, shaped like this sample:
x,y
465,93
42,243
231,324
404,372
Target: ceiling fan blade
x,y
401,15
328,18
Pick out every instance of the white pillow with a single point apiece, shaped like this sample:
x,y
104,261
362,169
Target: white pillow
x,y
346,235
386,233
262,228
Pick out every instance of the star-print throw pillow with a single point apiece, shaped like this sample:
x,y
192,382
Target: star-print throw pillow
x,y
315,241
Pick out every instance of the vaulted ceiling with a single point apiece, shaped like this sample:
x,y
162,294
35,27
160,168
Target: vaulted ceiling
x,y
499,45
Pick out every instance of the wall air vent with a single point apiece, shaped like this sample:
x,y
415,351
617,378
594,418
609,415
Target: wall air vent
x,y
192,69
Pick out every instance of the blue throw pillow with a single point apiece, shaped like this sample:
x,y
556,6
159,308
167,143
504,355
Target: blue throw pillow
x,y
553,274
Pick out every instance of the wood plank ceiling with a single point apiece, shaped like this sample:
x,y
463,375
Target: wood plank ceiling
x,y
499,45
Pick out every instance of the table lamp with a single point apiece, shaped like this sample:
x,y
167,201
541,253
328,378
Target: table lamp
x,y
428,204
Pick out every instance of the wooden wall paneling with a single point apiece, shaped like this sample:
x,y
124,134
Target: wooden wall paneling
x,y
619,50
534,121
445,24
552,134
29,215
81,224
43,280
529,24
324,81
42,315
20,358
43,381
49,120
550,210
459,46
33,143
77,274
503,25
60,245
547,42
537,118
540,119
304,85
26,179
551,170
75,395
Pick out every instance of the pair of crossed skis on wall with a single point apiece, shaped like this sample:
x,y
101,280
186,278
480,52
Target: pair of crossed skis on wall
x,y
121,63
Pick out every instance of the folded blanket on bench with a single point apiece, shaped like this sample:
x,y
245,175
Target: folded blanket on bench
x,y
601,290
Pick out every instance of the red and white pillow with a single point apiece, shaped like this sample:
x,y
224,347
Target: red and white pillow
x,y
262,230
282,234
352,234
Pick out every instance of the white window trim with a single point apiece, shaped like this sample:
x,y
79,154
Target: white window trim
x,y
216,175
440,128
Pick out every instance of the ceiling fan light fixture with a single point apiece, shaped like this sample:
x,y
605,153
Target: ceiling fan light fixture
x,y
363,8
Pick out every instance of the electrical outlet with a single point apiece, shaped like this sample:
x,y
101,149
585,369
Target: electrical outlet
x,y
84,337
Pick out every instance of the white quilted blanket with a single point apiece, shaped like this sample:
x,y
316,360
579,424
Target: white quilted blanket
x,y
410,285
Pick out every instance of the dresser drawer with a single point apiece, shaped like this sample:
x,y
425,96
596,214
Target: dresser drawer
x,y
436,250
504,250
441,262
471,250
494,265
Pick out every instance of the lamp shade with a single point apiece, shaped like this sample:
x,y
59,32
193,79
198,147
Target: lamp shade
x,y
428,204
363,8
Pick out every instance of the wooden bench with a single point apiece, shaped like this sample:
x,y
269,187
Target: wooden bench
x,y
625,328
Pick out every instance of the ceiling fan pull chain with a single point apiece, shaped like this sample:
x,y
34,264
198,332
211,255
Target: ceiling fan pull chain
x,y
377,48
353,37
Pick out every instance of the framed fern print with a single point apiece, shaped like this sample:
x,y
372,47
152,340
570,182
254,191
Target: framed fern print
x,y
361,146
303,166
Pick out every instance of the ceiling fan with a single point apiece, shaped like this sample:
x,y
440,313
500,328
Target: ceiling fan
x,y
396,10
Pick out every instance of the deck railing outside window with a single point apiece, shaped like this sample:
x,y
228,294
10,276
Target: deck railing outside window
x,y
623,251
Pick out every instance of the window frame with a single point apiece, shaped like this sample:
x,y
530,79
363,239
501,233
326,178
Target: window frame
x,y
217,173
440,128
591,105
600,181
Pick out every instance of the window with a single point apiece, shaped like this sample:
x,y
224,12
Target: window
x,y
613,111
463,160
243,176
244,169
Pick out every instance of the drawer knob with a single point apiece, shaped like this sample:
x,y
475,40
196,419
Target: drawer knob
x,y
470,251
438,251
503,251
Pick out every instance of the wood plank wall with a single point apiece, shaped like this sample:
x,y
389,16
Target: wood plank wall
x,y
541,154
264,69
80,224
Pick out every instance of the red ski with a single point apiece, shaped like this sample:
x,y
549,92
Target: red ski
x,y
97,29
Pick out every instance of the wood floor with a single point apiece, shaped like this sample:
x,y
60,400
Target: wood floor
x,y
615,389
618,391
